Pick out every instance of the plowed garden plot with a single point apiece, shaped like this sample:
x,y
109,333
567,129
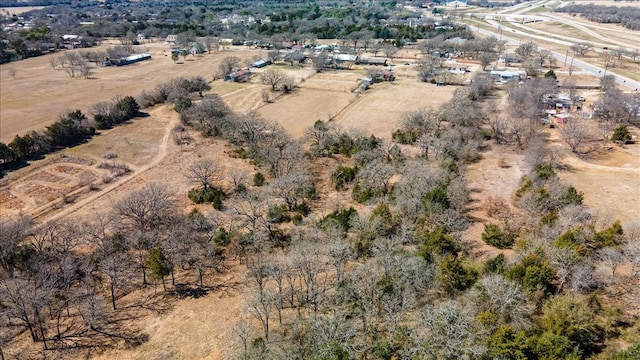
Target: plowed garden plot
x,y
46,185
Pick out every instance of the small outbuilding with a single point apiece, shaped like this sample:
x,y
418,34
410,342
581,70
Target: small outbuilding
x,y
261,63
241,75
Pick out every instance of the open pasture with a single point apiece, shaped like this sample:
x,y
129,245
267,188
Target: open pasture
x,y
380,109
39,94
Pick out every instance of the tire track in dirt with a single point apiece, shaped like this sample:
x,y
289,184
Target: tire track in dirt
x,y
162,153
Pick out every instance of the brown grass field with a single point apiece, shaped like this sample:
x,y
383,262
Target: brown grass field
x,y
59,186
18,10
39,94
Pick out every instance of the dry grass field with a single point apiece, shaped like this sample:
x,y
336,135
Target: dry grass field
x,y
380,109
18,10
39,94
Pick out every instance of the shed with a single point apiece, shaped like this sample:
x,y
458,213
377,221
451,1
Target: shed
x,y
261,63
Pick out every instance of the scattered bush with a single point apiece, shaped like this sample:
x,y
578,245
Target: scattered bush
x,y
544,172
437,243
222,237
212,195
495,265
258,179
343,175
278,214
494,236
621,134
533,272
339,218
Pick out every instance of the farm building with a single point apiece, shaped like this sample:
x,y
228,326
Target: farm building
x,y
458,70
133,59
296,56
171,39
509,58
241,75
373,61
338,58
505,75
561,118
261,63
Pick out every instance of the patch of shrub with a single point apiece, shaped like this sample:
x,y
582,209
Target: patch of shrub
x,y
258,179
303,208
222,237
495,265
242,153
278,214
340,218
437,196
363,194
240,188
632,353
621,134
572,196
212,195
343,175
437,242
544,171
297,219
533,272
495,236
405,137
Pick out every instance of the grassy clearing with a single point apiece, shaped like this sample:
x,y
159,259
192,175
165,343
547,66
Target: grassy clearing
x,y
135,143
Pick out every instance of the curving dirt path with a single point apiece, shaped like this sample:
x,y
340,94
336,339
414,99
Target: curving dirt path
x,y
162,153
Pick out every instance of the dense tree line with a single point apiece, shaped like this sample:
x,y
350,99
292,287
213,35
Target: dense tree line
x,y
293,21
75,127
627,16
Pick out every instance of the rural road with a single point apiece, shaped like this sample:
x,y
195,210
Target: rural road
x,y
587,68
514,15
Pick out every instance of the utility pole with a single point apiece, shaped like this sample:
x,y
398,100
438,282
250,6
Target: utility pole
x,y
565,57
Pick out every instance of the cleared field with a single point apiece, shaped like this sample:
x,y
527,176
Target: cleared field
x,y
380,108
38,94
298,111
18,10
61,179
320,97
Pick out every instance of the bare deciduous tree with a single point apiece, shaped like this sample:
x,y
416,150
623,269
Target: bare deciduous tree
x,y
581,48
203,172
575,132
228,65
273,78
146,207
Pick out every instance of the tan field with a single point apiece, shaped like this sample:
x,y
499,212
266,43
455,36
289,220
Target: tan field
x,y
18,10
39,94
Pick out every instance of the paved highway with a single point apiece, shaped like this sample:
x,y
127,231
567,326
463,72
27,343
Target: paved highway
x,y
588,68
